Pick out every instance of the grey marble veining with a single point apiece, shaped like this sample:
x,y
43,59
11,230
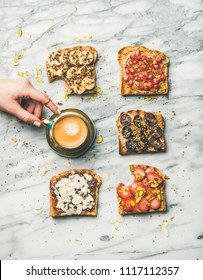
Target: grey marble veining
x,y
26,229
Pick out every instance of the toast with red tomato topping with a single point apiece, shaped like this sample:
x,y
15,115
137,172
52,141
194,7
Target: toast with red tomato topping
x,y
146,194
143,71
140,132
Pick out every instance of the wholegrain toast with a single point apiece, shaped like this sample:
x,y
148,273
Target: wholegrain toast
x,y
143,71
146,194
76,67
74,192
140,132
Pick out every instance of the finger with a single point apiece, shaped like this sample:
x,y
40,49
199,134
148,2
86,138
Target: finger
x,y
31,107
43,98
38,110
23,115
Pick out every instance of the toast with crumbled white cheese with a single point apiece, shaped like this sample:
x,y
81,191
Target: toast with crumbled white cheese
x,y
74,192
76,67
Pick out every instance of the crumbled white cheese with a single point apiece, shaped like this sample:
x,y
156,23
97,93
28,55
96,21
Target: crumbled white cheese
x,y
43,171
185,122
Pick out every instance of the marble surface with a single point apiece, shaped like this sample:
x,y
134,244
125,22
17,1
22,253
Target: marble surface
x,y
26,229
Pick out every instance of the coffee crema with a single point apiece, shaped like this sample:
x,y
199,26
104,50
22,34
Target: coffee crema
x,y
70,132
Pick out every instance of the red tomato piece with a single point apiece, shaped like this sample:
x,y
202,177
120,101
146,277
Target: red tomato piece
x,y
155,204
150,77
131,77
137,52
132,71
128,204
146,88
143,66
155,86
162,77
126,78
150,84
132,56
123,191
130,62
138,57
149,59
143,205
140,86
154,179
139,173
127,71
158,59
130,83
156,66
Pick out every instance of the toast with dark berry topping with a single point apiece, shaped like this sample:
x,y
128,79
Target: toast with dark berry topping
x,y
143,71
74,192
76,67
140,132
146,194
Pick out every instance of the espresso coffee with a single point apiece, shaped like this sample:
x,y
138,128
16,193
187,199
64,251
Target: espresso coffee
x,y
70,132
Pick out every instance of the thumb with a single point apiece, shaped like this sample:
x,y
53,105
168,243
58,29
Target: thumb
x,y
24,115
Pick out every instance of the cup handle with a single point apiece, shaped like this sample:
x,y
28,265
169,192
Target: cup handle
x,y
47,122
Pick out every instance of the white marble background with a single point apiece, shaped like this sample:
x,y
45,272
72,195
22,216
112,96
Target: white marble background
x,y
26,229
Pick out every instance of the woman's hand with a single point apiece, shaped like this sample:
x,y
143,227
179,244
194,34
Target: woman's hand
x,y
13,93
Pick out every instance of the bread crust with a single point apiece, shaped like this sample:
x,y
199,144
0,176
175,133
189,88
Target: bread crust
x,y
66,174
123,56
163,206
53,74
122,141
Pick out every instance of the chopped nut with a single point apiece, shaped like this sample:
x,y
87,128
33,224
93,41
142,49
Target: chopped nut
x,y
90,37
39,79
167,177
15,62
20,56
14,139
21,74
99,139
99,90
58,48
20,32
66,97
78,40
92,98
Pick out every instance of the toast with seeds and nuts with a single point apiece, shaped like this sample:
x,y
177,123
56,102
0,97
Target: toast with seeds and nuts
x,y
74,192
76,67
143,71
146,194
140,132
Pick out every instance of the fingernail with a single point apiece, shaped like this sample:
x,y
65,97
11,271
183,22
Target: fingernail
x,y
36,123
58,111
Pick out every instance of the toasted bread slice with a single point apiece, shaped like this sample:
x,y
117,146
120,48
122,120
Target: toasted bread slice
x,y
144,76
74,192
135,135
76,67
146,194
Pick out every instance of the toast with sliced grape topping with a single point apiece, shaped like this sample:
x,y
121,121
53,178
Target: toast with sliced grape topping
x,y
143,71
146,194
74,192
76,67
140,132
